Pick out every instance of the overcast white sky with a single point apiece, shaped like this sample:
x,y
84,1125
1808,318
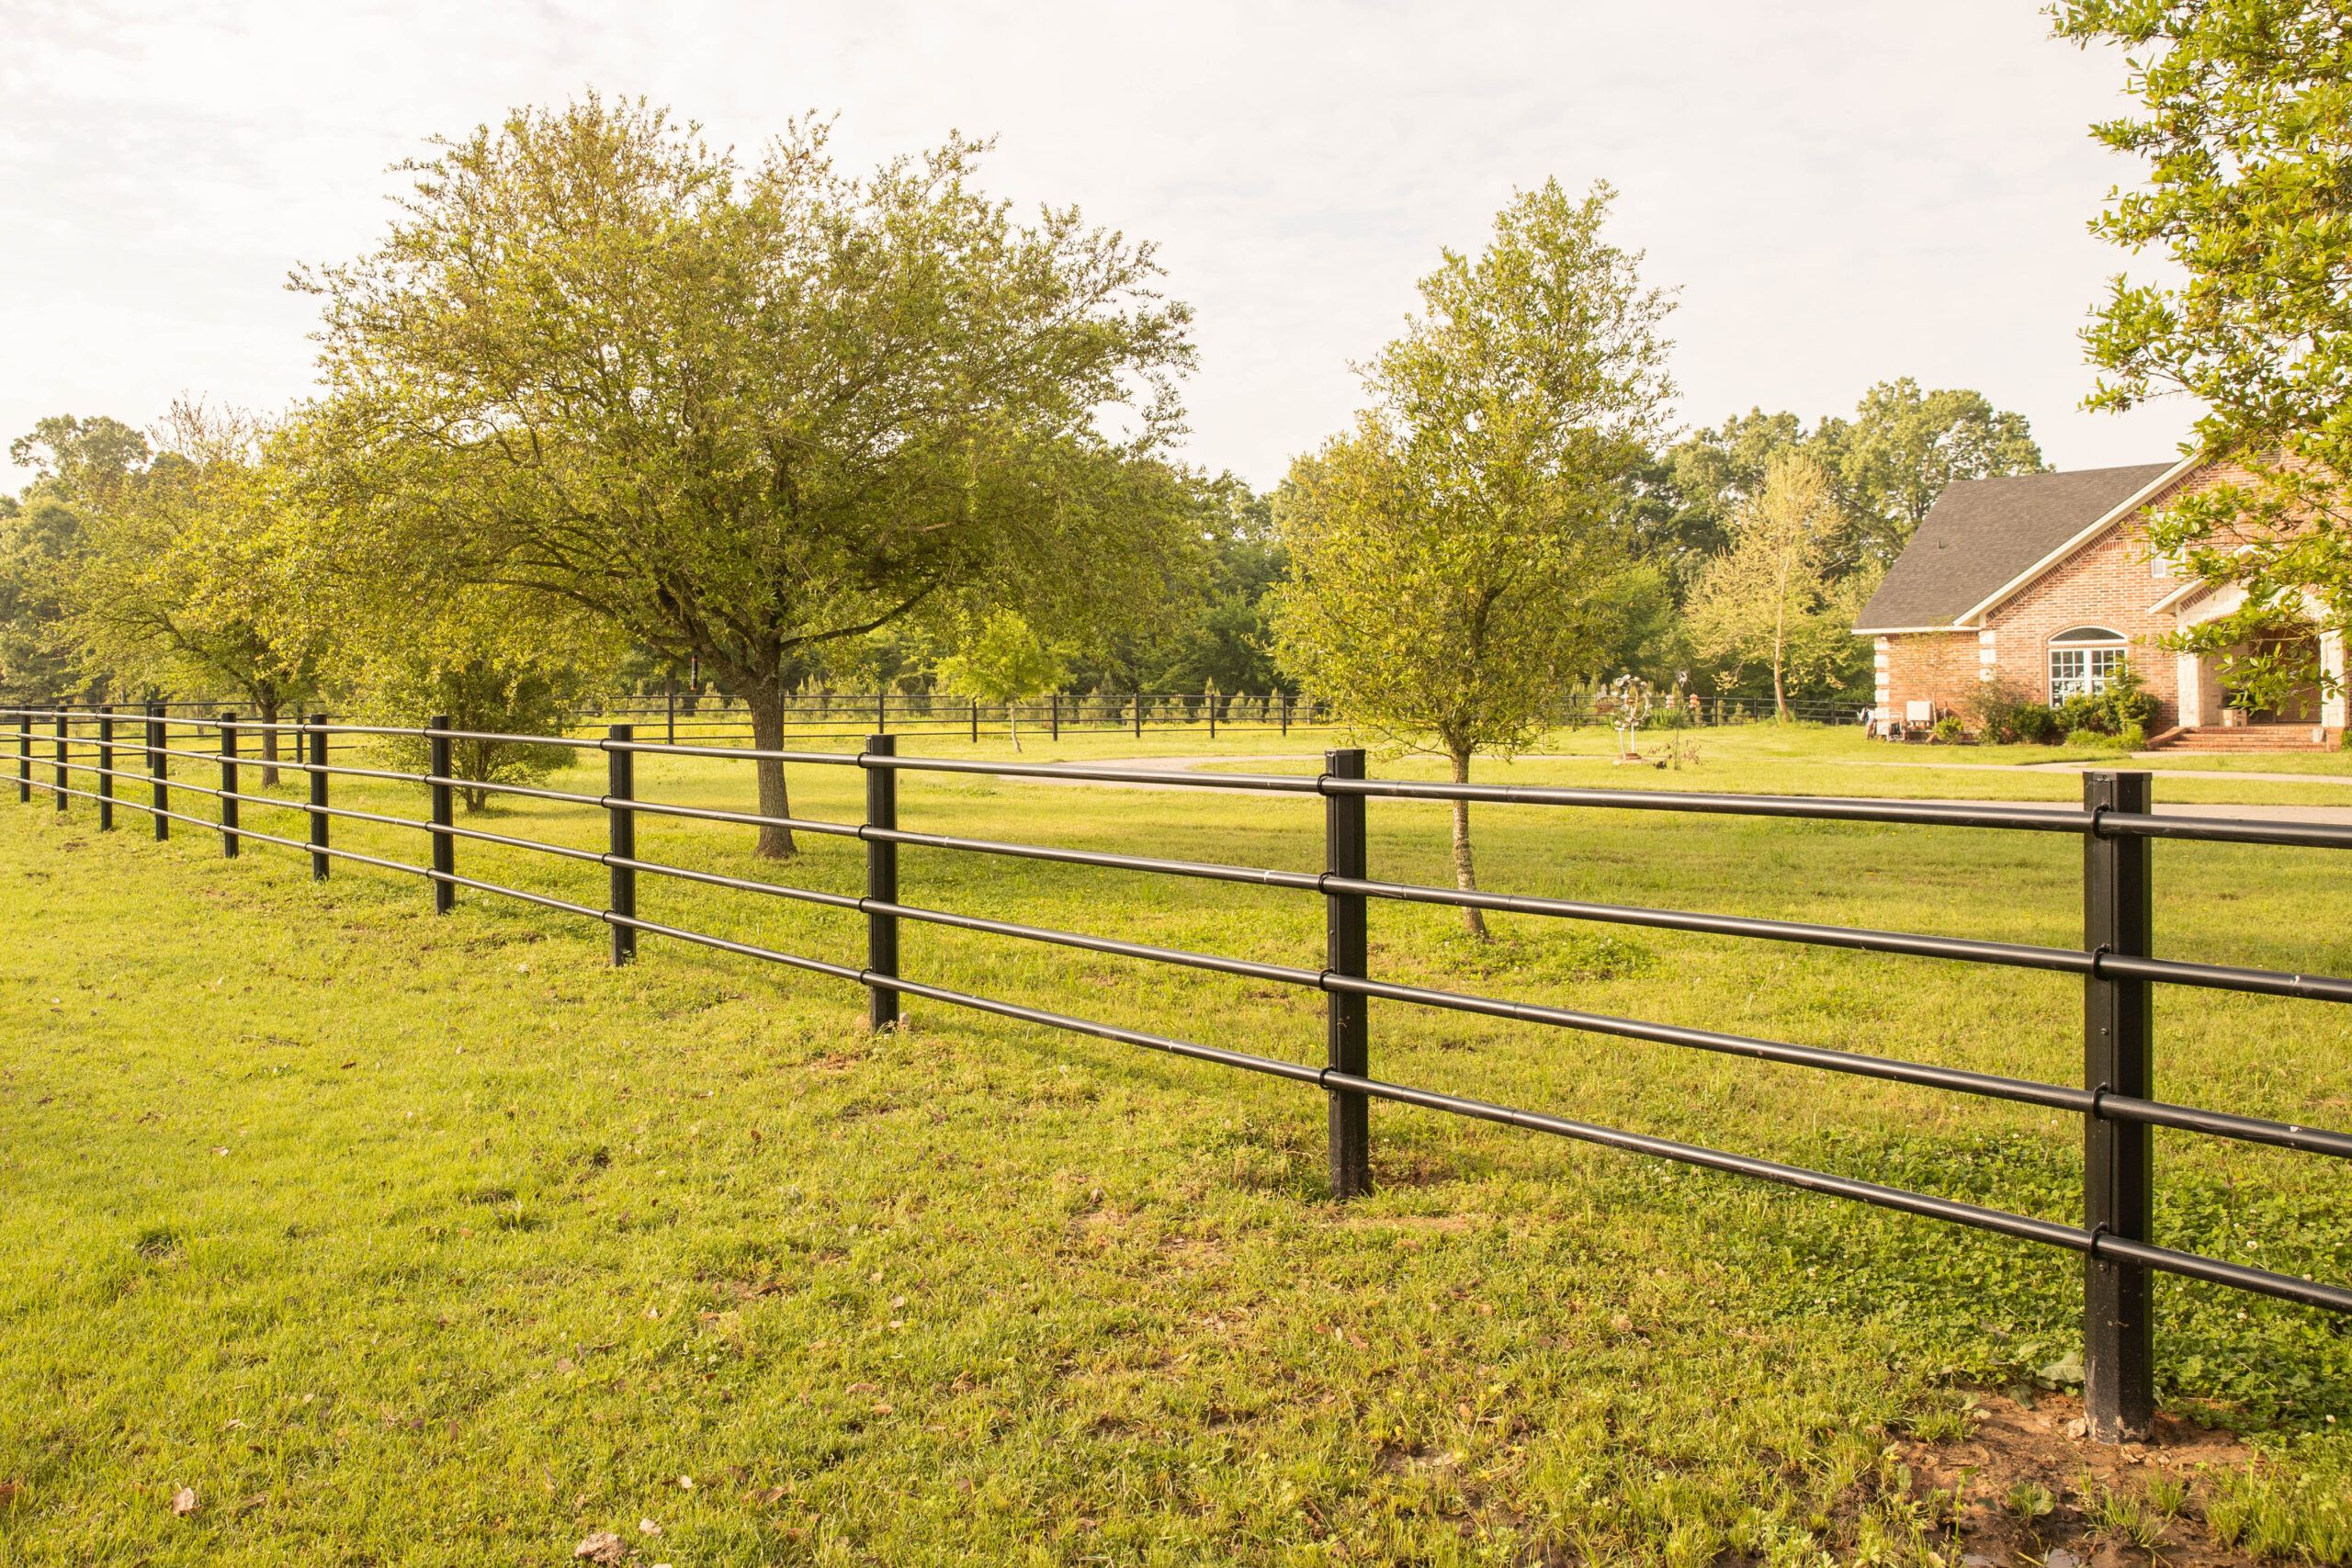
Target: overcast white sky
x,y
1843,192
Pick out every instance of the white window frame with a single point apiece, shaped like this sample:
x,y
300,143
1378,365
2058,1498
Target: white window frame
x,y
2083,661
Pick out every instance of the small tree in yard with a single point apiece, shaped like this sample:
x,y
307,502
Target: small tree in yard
x,y
1768,599
744,415
1460,555
1002,661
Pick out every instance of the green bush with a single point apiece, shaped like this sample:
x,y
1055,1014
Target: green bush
x,y
2125,705
2088,737
2034,724
1948,731
509,696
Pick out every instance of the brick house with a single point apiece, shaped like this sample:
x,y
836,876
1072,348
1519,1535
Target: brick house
x,y
2047,580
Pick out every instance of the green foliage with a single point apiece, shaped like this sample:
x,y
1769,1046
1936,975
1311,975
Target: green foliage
x,y
1768,598
1948,728
1885,468
895,401
2002,711
1459,557
77,464
182,580
37,538
507,695
83,458
2300,1509
1455,557
2247,137
1001,659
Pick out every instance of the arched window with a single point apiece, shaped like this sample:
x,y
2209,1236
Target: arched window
x,y
2082,659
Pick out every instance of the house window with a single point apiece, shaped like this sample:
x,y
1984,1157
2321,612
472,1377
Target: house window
x,y
2083,662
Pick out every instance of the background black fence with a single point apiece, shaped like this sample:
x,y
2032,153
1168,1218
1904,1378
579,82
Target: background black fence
x,y
124,762
817,716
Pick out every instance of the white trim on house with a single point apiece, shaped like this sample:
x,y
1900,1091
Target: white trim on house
x,y
2178,596
2114,514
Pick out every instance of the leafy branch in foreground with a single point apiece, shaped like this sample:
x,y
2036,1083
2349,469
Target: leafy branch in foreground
x,y
2247,137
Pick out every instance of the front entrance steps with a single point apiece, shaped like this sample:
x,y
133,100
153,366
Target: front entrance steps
x,y
2246,738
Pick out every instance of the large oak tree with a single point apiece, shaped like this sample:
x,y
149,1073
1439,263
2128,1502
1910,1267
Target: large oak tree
x,y
748,412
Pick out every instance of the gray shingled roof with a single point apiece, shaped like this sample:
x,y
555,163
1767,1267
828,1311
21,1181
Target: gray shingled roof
x,y
1983,533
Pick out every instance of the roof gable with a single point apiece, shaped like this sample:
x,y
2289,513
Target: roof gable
x,y
1983,535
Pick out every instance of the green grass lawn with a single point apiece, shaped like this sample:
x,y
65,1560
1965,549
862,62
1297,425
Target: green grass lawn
x,y
411,1239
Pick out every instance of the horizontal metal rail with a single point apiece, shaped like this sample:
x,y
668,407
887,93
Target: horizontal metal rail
x,y
2073,960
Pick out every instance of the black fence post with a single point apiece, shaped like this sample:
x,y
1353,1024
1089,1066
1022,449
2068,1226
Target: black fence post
x,y
976,721
882,711
445,845
158,768
2119,1172
882,883
24,755
1138,716
1058,716
1212,716
620,785
672,730
1347,1017
317,751
63,719
1285,712
228,785
106,768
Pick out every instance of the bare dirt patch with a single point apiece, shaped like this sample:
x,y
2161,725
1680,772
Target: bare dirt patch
x,y
2030,1486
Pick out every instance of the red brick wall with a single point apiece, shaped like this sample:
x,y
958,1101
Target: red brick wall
x,y
1938,667
2105,584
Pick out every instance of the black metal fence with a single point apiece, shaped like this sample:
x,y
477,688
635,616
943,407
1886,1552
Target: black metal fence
x,y
822,714
2115,825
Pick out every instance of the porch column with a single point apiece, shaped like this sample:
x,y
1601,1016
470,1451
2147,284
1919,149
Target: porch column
x,y
1882,661
2331,661
2189,674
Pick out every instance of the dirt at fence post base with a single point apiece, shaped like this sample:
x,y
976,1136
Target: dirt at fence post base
x,y
2041,1443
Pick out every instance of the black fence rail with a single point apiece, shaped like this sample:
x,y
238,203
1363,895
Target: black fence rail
x,y
832,716
122,754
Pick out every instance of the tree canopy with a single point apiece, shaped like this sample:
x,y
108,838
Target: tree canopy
x,y
744,412
1884,467
179,581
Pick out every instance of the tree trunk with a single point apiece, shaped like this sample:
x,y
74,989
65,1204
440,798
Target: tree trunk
x,y
269,747
1013,721
1473,921
766,704
1780,657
